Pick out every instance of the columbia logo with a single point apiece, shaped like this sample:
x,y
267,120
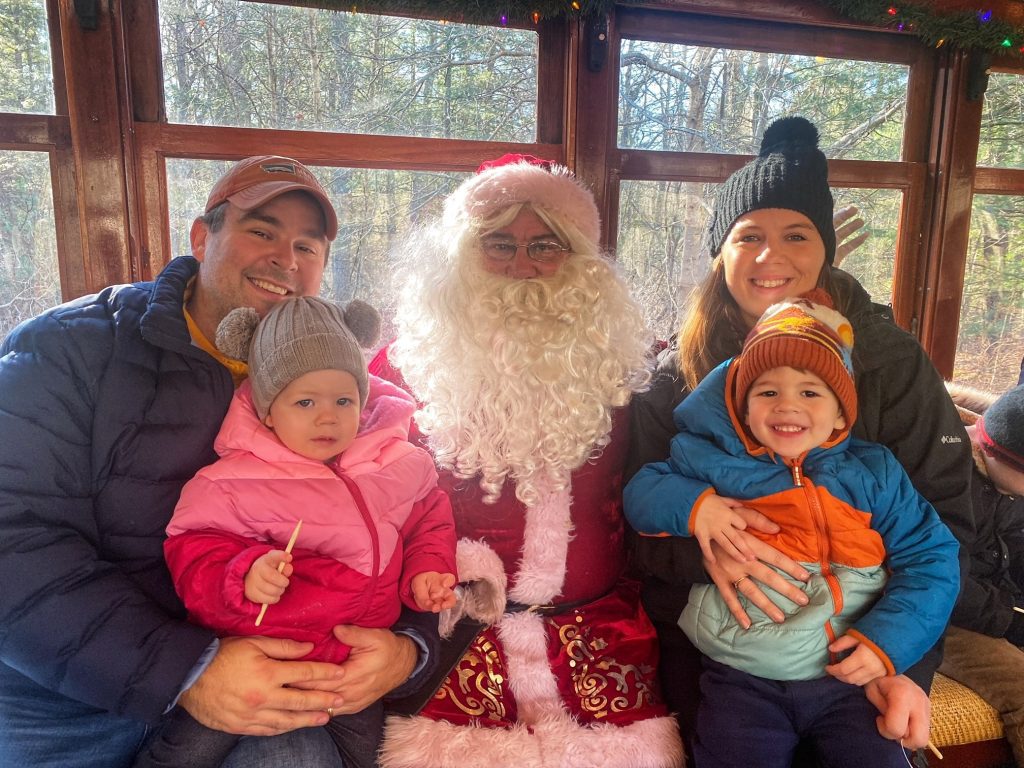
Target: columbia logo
x,y
951,439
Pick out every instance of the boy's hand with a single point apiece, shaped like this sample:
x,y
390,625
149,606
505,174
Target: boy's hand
x,y
264,583
860,667
718,521
433,591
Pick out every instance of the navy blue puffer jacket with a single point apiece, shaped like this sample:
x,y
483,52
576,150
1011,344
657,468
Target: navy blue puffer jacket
x,y
106,411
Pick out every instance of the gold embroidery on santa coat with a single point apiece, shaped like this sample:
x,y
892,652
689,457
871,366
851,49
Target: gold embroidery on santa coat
x,y
478,682
603,684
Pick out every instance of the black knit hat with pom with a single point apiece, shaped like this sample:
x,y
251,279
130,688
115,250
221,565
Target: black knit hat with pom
x,y
789,172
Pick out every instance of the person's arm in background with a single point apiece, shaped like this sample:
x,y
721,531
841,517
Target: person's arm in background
x,y
986,603
850,232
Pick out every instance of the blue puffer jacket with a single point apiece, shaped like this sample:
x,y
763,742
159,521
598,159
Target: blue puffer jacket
x,y
847,512
107,411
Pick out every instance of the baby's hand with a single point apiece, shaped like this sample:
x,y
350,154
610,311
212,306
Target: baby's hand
x,y
717,522
433,591
860,667
267,578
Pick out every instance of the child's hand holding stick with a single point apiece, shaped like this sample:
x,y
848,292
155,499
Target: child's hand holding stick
x,y
280,567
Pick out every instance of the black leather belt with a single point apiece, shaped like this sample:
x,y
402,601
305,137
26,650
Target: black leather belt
x,y
547,609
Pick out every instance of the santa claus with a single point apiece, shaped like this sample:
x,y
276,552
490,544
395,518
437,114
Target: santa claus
x,y
523,347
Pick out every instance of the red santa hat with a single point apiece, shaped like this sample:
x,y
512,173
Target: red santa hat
x,y
515,178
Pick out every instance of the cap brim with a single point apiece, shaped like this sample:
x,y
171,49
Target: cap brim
x,y
259,194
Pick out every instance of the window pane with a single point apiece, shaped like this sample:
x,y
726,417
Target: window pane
x,y
874,262
991,339
1002,132
260,65
693,99
661,230
376,209
26,76
29,275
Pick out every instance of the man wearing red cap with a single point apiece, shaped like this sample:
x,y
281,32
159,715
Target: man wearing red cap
x,y
111,403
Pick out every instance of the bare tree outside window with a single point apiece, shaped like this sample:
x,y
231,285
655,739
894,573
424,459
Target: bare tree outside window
x,y
1002,130
26,74
991,338
990,342
29,275
695,99
246,64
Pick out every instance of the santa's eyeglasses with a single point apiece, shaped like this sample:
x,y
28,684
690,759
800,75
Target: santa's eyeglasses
x,y
541,251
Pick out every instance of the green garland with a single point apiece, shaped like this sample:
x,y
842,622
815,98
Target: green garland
x,y
961,29
516,12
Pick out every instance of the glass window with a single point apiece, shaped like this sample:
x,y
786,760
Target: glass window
x,y
696,99
660,246
661,229
376,210
874,262
26,75
29,273
991,338
1002,131
250,64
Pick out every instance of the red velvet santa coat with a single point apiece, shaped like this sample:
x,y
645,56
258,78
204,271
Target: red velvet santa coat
x,y
538,689
371,520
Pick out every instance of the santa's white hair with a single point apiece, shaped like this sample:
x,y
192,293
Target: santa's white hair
x,y
518,377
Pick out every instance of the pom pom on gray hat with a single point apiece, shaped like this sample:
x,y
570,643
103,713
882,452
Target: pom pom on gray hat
x,y
235,332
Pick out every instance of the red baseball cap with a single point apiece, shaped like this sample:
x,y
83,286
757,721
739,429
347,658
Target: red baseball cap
x,y
256,180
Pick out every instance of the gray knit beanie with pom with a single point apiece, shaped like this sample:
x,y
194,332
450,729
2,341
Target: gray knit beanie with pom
x,y
298,336
789,172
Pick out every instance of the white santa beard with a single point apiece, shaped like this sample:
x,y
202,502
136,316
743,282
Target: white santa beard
x,y
520,378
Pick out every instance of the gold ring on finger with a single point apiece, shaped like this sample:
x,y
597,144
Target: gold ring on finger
x,y
740,580
330,711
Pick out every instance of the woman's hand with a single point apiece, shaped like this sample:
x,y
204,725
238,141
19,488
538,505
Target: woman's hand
x,y
905,710
731,575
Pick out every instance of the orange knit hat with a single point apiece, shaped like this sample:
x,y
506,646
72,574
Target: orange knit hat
x,y
804,333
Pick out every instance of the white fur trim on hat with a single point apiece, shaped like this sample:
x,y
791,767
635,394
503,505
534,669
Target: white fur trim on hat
x,y
556,191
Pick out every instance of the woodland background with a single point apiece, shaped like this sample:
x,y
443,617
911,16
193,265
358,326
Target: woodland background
x,y
258,65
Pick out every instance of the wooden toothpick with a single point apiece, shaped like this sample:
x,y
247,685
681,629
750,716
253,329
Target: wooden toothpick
x,y
280,567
